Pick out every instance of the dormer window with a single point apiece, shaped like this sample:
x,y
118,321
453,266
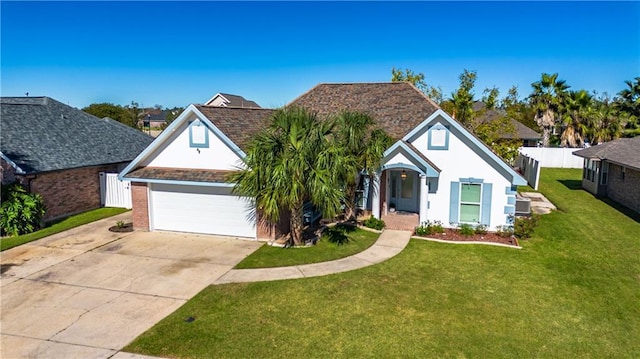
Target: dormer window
x,y
438,137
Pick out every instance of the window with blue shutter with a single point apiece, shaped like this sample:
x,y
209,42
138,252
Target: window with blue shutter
x,y
470,202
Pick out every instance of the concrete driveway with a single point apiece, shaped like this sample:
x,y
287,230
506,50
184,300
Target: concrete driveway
x,y
88,292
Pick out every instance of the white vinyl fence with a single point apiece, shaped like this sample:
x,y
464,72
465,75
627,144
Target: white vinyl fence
x,y
113,192
530,169
553,157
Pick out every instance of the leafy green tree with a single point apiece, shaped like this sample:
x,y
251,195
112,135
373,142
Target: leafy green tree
x,y
490,97
628,105
418,80
119,113
365,144
547,100
463,98
576,118
292,161
606,122
21,212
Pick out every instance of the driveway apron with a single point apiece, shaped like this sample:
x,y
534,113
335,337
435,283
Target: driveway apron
x,y
88,292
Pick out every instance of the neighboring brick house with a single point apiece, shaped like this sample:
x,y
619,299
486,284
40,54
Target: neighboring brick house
x,y
612,170
58,151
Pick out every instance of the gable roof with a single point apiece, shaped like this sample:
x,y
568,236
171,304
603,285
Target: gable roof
x,y
233,101
520,130
623,151
397,107
239,124
40,134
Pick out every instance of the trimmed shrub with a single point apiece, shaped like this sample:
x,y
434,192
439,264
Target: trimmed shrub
x,y
21,212
466,229
374,223
429,228
481,229
504,231
523,227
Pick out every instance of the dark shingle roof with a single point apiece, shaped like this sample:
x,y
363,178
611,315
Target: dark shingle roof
x,y
397,107
180,174
521,131
40,134
239,124
624,151
239,101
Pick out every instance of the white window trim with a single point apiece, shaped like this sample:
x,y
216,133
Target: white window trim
x,y
479,203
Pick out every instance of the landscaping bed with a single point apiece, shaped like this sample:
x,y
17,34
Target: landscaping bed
x,y
455,236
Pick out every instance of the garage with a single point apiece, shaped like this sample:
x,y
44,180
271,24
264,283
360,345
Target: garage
x,y
200,209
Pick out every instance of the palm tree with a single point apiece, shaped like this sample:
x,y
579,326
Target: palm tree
x,y
547,99
628,104
607,122
292,161
577,118
364,146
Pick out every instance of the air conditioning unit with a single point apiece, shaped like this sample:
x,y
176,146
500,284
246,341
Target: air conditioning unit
x,y
523,206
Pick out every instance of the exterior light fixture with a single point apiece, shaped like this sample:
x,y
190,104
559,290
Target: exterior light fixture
x,y
403,175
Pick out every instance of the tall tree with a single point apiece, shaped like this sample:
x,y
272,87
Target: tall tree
x,y
462,99
418,80
606,122
115,112
365,144
290,162
628,104
490,97
547,100
576,118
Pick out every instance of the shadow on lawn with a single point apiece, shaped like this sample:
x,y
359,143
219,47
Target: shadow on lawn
x,y
572,184
338,233
577,185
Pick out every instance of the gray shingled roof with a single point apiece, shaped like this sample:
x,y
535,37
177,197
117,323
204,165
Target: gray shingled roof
x,y
40,134
397,107
239,124
521,131
624,151
239,101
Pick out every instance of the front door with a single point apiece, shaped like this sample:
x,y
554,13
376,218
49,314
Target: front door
x,y
404,192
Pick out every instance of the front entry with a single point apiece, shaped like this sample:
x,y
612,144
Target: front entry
x,y
404,191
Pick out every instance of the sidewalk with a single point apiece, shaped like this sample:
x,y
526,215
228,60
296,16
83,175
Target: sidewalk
x,y
390,243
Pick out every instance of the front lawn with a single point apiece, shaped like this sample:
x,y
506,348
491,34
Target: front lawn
x,y
572,291
62,225
325,250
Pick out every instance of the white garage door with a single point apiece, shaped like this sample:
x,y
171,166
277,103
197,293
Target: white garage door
x,y
200,209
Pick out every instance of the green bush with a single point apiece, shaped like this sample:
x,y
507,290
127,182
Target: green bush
x,y
504,231
373,222
466,229
523,227
21,212
429,228
481,229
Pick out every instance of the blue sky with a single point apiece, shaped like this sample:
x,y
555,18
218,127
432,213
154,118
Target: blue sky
x,y
175,53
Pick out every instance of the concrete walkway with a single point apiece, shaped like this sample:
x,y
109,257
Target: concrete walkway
x,y
390,243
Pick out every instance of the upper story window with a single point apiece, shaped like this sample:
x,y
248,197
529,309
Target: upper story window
x,y
198,135
438,137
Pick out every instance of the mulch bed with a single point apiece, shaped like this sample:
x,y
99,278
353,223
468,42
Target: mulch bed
x,y
127,227
455,236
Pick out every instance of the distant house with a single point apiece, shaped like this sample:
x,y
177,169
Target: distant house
x,y
612,170
58,151
229,100
154,118
517,130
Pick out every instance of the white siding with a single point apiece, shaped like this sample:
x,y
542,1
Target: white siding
x,y
460,161
176,153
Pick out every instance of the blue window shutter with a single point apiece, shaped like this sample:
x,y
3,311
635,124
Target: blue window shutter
x,y
486,204
454,202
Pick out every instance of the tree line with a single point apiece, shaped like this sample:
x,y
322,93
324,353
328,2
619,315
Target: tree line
x,y
565,117
132,114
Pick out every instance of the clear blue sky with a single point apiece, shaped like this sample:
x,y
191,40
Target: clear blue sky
x,y
174,54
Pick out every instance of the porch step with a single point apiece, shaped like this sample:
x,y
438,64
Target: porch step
x,y
401,221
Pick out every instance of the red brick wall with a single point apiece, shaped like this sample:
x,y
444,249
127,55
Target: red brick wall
x,y
7,172
69,192
272,231
140,203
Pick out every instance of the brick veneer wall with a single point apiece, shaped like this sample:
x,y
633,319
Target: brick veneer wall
x,y
140,202
624,191
7,172
68,192
274,231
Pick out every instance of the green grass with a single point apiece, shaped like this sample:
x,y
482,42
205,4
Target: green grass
x,y
325,250
61,225
572,292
